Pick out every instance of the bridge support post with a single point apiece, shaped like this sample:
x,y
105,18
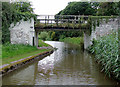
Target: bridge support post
x,y
88,38
36,38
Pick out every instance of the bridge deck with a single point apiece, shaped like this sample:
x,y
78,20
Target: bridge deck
x,y
62,22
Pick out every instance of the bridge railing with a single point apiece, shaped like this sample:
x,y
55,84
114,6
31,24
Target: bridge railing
x,y
61,21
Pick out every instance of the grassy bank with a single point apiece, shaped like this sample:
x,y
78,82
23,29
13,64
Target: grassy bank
x,y
42,44
14,52
74,40
106,53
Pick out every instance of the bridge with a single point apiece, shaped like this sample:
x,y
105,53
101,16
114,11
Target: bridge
x,y
62,22
77,22
26,32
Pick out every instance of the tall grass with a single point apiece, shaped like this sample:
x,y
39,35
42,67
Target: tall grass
x,y
74,40
106,53
10,50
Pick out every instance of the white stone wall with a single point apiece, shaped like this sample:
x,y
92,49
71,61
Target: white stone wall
x,y
101,30
106,28
23,32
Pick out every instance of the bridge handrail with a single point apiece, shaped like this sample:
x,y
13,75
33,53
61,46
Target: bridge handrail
x,y
65,15
57,19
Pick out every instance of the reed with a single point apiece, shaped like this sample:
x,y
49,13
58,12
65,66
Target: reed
x,y
107,54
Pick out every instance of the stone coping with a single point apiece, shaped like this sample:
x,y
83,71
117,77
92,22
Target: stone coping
x,y
6,68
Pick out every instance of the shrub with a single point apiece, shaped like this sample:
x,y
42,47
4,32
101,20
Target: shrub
x,y
43,35
106,53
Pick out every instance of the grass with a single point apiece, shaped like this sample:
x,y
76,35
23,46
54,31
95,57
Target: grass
x,y
10,59
13,52
74,40
106,53
43,44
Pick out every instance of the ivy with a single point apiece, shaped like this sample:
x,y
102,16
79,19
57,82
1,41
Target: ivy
x,y
96,20
13,13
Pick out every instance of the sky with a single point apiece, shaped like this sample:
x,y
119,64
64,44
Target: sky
x,y
49,7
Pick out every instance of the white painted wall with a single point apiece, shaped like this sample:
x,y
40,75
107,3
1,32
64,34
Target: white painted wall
x,y
23,32
101,30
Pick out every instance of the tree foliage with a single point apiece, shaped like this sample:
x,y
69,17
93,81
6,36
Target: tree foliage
x,y
13,13
91,8
78,8
107,9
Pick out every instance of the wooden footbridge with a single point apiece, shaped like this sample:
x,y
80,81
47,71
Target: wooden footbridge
x,y
61,22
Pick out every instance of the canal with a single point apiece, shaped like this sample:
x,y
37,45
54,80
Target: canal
x,y
68,65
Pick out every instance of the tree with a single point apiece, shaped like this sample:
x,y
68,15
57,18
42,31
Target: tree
x,y
107,9
7,18
118,8
23,7
78,8
13,13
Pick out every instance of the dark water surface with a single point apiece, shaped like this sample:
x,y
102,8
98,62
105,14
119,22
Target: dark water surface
x,y
68,65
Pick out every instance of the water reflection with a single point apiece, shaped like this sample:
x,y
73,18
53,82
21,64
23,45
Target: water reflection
x,y
66,66
24,76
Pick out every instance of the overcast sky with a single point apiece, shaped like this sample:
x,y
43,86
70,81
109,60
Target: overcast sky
x,y
49,7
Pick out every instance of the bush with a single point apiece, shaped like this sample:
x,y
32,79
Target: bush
x,y
106,53
43,35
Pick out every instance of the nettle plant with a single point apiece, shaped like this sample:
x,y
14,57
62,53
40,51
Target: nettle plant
x,y
13,13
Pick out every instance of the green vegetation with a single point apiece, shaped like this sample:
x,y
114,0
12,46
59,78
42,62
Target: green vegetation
x,y
74,40
9,50
91,8
57,35
12,52
106,53
42,44
108,8
43,35
64,25
0,52
78,8
13,13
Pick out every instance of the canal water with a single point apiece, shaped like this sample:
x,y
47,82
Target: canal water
x,y
69,65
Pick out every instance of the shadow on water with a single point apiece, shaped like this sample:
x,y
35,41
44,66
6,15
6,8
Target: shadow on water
x,y
68,65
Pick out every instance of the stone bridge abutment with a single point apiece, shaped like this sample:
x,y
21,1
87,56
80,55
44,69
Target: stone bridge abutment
x,y
103,29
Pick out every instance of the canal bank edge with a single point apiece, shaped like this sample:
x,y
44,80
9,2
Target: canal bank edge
x,y
6,68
